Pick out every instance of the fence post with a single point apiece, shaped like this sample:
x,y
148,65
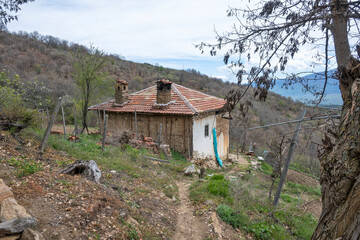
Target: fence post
x,y
160,130
288,160
47,114
63,118
75,124
42,117
136,130
99,121
104,133
50,124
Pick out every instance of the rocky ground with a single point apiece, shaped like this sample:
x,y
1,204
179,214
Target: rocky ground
x,y
72,207
120,207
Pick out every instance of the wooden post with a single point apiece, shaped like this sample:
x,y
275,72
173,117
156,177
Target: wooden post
x,y
75,124
50,124
251,146
160,130
47,114
42,117
99,120
104,113
288,160
104,133
136,130
63,118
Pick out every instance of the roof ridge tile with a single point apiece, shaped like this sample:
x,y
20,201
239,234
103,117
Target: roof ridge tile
x,y
193,109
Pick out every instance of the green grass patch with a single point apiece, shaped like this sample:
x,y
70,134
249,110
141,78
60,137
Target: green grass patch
x,y
123,159
232,217
288,198
266,168
296,188
219,186
302,225
260,229
24,166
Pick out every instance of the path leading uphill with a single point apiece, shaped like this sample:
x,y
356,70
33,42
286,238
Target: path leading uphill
x,y
189,226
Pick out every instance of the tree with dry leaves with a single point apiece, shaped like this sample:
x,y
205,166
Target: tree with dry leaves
x,y
275,31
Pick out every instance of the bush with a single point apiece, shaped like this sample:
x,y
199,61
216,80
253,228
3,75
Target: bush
x,y
12,103
218,186
230,216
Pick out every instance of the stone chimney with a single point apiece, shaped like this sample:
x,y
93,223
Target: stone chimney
x,y
121,91
163,95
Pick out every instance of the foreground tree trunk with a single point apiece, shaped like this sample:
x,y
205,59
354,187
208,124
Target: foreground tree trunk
x,y
340,175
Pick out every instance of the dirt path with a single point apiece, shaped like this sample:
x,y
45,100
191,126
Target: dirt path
x,y
238,159
189,226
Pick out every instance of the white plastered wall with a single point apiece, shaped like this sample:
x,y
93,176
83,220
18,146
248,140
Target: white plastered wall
x,y
203,146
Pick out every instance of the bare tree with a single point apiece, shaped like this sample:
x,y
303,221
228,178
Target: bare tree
x,y
277,147
88,65
274,31
8,8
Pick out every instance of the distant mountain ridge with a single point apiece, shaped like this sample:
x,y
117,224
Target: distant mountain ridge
x,y
296,91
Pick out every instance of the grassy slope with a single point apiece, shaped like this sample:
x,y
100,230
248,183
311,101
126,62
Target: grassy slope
x,y
243,203
144,190
50,60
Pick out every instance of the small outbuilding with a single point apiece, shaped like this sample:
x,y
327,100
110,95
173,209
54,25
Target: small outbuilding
x,y
178,116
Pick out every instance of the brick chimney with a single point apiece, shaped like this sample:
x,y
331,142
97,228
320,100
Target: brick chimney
x,y
163,95
121,91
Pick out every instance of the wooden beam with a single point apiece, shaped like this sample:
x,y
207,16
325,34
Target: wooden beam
x,y
156,159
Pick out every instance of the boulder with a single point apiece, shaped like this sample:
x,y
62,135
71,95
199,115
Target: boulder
x,y
29,234
10,210
16,226
165,149
87,168
190,170
5,191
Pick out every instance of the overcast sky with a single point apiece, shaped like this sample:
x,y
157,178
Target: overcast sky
x,y
152,31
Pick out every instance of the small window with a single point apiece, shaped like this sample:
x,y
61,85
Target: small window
x,y
206,130
118,88
124,87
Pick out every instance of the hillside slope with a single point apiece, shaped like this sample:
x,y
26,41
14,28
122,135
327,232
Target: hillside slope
x,y
50,60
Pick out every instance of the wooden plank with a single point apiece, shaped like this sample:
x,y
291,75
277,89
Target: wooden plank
x,y
156,159
63,118
104,133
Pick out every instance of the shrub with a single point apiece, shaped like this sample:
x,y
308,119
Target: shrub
x,y
230,216
218,186
12,102
262,230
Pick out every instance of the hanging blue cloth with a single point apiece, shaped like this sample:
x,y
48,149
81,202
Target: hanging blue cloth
x,y
215,148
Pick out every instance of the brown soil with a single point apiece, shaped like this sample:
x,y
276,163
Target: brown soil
x,y
71,207
313,207
188,225
238,159
301,178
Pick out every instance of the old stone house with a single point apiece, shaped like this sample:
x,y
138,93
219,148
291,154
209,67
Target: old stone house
x,y
186,117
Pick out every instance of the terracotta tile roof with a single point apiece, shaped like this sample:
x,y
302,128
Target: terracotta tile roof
x,y
184,101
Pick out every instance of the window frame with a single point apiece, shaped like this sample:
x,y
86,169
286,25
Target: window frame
x,y
206,130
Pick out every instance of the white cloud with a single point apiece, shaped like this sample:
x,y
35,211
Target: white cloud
x,y
146,28
149,30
